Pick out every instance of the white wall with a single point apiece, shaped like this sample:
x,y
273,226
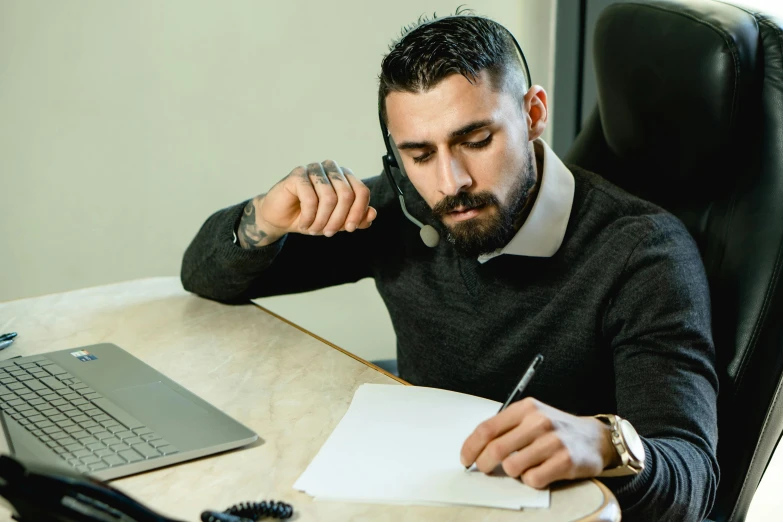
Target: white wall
x,y
770,7
123,125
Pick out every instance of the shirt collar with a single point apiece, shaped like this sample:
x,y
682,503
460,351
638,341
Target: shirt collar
x,y
542,232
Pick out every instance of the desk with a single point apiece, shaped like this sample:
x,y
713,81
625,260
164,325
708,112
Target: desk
x,y
290,387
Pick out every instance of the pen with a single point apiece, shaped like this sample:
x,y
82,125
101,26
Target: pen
x,y
7,340
519,389
523,382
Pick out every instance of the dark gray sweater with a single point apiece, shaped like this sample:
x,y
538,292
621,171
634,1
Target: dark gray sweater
x,y
620,313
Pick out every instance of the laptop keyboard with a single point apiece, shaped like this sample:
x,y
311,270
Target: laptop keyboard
x,y
81,426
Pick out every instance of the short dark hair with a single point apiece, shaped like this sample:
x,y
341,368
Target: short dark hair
x,y
433,48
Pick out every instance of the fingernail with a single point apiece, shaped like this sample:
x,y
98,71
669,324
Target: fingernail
x,y
313,233
350,227
328,233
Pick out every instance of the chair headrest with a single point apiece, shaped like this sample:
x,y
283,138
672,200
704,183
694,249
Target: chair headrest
x,y
673,80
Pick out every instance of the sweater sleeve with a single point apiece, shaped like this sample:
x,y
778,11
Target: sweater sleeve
x,y
216,268
659,328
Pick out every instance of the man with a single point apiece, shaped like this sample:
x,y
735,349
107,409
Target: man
x,y
540,258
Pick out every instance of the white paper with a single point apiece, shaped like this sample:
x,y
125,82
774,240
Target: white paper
x,y
401,444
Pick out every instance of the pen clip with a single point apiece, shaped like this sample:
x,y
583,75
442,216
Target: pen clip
x,y
523,382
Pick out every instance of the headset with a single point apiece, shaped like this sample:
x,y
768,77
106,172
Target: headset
x,y
428,234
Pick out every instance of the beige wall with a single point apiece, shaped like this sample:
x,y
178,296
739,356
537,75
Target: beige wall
x,y
124,124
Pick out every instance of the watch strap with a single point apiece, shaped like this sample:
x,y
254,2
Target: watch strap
x,y
629,465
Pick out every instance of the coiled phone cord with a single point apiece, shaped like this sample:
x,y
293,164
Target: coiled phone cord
x,y
250,512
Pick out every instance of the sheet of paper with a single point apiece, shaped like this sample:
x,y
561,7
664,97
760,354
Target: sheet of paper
x,y
401,444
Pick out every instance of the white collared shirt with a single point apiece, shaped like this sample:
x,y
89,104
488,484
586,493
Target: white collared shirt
x,y
542,232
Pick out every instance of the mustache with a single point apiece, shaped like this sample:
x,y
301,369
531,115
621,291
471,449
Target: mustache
x,y
464,199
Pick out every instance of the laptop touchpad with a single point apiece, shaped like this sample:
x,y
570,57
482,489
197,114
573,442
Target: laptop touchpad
x,y
157,405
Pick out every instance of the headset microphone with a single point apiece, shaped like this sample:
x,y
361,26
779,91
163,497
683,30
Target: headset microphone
x,y
428,233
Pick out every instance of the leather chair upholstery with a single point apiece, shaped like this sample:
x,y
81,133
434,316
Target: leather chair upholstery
x,y
690,116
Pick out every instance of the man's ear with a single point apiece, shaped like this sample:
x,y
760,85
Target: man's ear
x,y
537,114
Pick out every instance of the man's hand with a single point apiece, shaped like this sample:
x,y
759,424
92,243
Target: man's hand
x,y
320,199
540,444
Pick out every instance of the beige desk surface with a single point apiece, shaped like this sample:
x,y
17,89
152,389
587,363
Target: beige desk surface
x,y
288,386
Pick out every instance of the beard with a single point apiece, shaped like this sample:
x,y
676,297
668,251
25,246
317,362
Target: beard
x,y
485,234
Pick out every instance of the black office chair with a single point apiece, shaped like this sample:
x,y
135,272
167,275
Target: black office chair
x,y
690,116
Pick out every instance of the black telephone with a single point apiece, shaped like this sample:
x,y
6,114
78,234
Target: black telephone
x,y
37,493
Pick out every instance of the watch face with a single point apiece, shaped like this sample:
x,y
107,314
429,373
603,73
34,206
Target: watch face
x,y
632,440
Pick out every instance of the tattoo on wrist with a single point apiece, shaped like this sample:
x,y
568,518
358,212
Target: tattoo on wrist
x,y
249,234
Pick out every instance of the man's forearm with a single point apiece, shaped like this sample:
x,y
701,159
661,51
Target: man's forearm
x,y
675,470
216,268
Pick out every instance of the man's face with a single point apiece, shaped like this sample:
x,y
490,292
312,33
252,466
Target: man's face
x,y
465,148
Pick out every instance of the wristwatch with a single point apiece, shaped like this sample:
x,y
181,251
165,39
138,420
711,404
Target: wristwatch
x,y
628,445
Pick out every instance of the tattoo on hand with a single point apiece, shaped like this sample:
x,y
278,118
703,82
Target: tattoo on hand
x,y
333,171
317,174
249,233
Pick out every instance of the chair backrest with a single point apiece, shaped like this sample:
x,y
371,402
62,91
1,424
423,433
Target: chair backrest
x,y
690,116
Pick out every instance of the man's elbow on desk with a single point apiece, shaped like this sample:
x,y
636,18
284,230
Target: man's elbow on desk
x,y
215,291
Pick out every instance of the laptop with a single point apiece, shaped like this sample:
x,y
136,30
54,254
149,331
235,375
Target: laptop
x,y
99,410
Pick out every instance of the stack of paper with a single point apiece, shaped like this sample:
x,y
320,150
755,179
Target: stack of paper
x,y
401,444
